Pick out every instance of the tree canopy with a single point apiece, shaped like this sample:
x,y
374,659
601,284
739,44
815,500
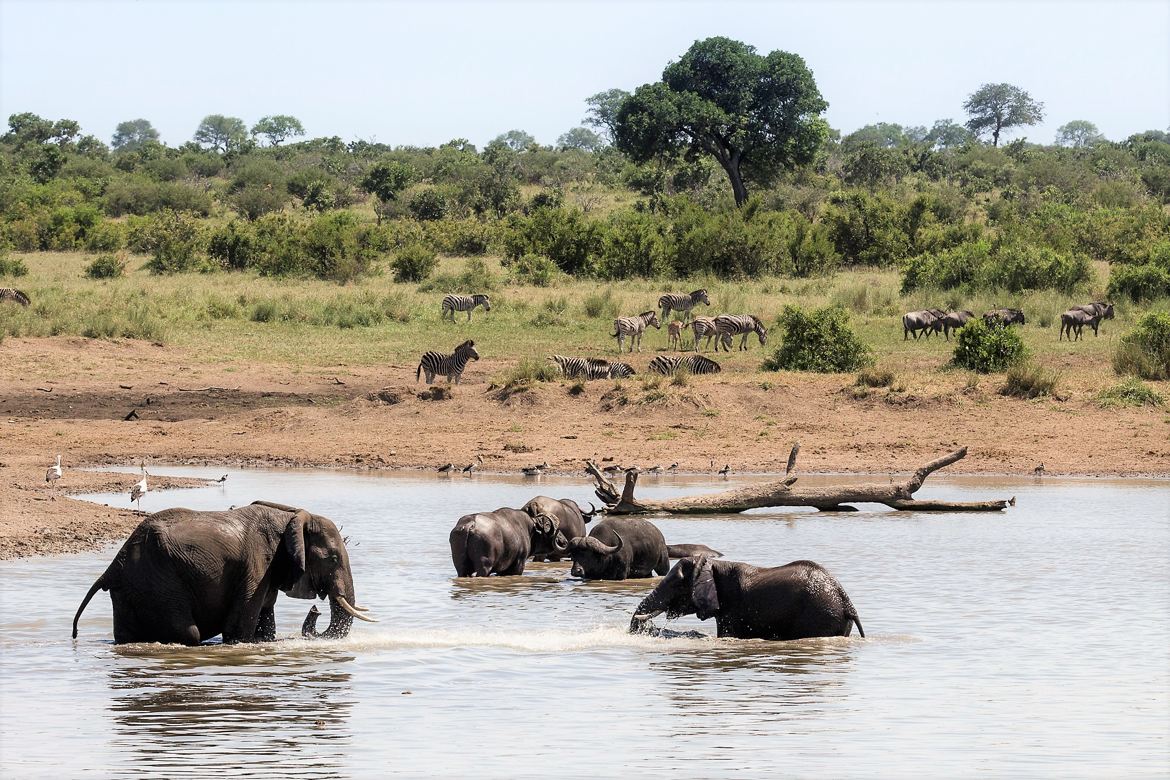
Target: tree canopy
x,y
1078,134
133,134
756,115
1000,107
516,140
603,110
221,133
278,128
581,138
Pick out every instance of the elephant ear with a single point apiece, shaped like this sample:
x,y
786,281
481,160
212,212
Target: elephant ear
x,y
703,592
294,543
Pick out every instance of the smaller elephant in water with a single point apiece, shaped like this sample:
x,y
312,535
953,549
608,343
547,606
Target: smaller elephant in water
x,y
500,542
185,576
795,601
622,548
570,518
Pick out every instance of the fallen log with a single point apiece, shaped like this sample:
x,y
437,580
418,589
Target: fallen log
x,y
785,492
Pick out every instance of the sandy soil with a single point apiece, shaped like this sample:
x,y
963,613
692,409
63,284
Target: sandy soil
x,y
69,396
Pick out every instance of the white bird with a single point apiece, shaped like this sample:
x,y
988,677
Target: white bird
x,y
140,489
54,472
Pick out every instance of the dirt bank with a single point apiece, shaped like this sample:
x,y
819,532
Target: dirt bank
x,y
70,396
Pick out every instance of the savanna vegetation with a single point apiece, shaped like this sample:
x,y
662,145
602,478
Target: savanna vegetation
x,y
723,174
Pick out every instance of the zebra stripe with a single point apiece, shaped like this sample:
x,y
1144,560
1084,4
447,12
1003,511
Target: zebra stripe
x,y
619,370
454,303
633,328
451,366
728,325
14,295
683,302
581,368
694,364
703,326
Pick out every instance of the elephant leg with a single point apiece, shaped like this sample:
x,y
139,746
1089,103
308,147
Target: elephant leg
x,y
266,627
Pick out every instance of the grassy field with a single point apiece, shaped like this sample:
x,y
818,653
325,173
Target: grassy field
x,y
240,316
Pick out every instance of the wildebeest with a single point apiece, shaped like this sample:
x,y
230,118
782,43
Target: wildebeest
x,y
953,320
1004,317
924,321
1076,318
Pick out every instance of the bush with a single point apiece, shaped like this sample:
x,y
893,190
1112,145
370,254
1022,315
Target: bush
x,y
106,237
600,305
414,263
1011,266
1029,380
872,377
460,236
142,196
427,204
821,341
174,240
633,245
1139,282
988,348
1130,392
338,248
535,270
234,245
564,236
1145,350
12,266
530,370
106,266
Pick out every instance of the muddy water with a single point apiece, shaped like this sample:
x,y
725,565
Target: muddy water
x,y
1030,643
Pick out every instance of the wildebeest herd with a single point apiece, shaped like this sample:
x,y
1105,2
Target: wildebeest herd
x,y
928,321
185,577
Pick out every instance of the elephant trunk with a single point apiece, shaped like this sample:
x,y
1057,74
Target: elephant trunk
x,y
341,613
649,608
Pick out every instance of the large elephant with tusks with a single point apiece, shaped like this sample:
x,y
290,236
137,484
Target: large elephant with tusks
x,y
795,601
185,576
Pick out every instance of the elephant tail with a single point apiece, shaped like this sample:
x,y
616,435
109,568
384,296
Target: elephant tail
x,y
99,584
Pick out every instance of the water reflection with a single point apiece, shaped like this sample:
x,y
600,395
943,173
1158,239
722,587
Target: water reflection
x,y
174,711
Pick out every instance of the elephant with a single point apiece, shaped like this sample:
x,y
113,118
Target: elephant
x,y
622,548
568,513
795,601
185,576
500,542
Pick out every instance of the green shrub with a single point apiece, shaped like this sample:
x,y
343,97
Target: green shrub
x,y
821,341
106,266
106,236
174,240
414,263
338,248
1145,350
529,370
12,266
460,236
1130,392
600,305
988,348
141,196
633,245
1029,380
427,204
1139,282
535,270
564,236
234,245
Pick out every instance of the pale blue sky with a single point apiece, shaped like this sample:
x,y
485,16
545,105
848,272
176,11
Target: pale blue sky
x,y
415,73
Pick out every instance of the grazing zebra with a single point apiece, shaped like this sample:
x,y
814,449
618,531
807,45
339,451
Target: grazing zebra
x,y
454,303
728,325
683,302
633,328
14,295
694,364
674,331
582,368
703,326
451,366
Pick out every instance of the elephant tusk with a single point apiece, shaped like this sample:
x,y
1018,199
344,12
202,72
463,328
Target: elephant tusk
x,y
345,605
360,609
647,616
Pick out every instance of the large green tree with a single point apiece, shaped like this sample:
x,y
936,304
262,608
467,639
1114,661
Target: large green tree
x,y
603,110
221,133
581,138
995,108
133,134
1079,134
278,128
756,115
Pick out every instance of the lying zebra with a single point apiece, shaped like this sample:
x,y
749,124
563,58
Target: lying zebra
x,y
451,366
632,328
14,295
592,368
694,364
703,326
728,325
454,303
683,302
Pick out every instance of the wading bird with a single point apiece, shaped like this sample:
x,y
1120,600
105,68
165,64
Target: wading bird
x,y
140,489
53,473
672,467
446,467
222,479
534,471
725,470
1039,470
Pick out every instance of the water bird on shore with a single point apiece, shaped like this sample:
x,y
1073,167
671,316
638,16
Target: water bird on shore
x,y
654,470
54,473
1039,470
222,479
446,467
672,467
133,415
725,470
140,489
534,471
615,468
470,467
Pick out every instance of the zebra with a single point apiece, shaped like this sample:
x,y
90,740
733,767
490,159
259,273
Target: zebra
x,y
434,363
728,325
694,364
683,302
14,295
703,326
467,303
619,370
582,368
633,328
